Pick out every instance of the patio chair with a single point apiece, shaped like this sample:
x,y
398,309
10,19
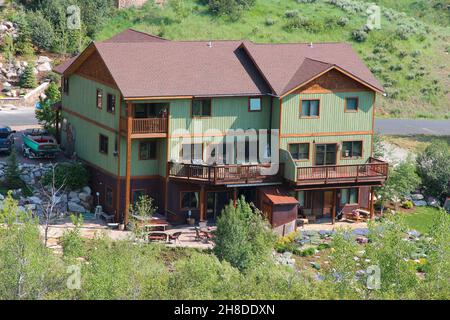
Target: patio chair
x,y
175,237
200,235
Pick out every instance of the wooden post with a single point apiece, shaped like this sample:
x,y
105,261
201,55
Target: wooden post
x,y
202,203
372,210
333,214
235,197
128,163
119,175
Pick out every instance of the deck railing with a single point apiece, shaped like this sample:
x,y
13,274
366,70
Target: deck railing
x,y
146,125
221,174
373,170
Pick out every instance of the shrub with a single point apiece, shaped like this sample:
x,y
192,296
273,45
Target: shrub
x,y
359,35
308,252
303,22
291,14
231,8
403,32
71,241
270,22
72,175
243,237
42,33
28,78
433,166
12,173
342,21
407,204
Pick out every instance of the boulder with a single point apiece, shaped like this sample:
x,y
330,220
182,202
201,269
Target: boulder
x,y
2,197
420,203
35,200
433,202
84,196
87,190
417,196
45,67
73,195
43,59
75,207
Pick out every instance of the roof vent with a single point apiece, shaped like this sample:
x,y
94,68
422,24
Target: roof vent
x,y
209,44
310,45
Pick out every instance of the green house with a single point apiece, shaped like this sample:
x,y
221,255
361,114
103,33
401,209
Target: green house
x,y
197,124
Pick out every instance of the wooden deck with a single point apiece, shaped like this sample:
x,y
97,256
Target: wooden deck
x,y
146,127
373,171
223,174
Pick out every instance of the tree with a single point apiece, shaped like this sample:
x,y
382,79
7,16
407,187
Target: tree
x,y
42,32
12,174
46,116
243,237
433,166
28,78
402,180
378,150
231,8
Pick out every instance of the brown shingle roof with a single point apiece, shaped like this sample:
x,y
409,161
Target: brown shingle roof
x,y
181,69
143,65
283,65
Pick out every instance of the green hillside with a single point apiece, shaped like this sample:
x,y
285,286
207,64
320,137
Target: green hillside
x,y
409,54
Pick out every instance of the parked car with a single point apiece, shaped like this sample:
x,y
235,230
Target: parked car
x,y
6,139
38,143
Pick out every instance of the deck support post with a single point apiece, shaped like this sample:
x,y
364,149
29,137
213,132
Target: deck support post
x,y
372,209
235,197
333,214
202,203
128,163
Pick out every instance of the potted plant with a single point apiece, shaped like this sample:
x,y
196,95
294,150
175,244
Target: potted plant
x,y
190,220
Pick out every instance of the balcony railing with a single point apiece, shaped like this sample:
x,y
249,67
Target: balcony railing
x,y
374,170
146,125
224,174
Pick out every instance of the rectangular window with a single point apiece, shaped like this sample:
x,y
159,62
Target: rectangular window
x,y
103,144
192,152
147,150
254,104
137,194
349,196
310,109
111,103
351,104
299,151
66,85
109,197
201,108
99,98
189,200
352,149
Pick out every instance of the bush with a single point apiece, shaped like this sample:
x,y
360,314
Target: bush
x,y
243,237
342,21
303,22
359,35
291,14
270,22
71,241
433,166
232,8
12,173
407,205
72,175
42,33
28,78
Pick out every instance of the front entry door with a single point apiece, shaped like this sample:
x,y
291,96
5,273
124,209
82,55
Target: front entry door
x,y
325,154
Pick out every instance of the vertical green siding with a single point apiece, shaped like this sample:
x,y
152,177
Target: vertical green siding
x,y
333,117
87,143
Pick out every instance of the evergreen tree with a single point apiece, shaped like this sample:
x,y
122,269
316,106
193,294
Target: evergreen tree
x,y
28,78
12,174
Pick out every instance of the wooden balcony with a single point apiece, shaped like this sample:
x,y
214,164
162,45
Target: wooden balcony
x,y
374,171
146,127
223,174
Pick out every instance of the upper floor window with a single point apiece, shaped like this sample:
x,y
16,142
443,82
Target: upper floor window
x,y
351,104
349,196
111,103
352,149
147,150
103,144
66,85
310,109
299,151
99,98
201,107
254,104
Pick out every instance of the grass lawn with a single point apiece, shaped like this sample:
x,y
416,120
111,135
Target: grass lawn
x,y
421,219
414,143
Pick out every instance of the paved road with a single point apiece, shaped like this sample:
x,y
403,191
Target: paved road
x,y
409,127
24,117
20,118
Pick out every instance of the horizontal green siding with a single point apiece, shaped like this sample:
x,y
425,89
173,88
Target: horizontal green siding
x,y
87,143
333,117
82,100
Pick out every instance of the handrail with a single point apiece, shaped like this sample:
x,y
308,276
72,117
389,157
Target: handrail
x,y
146,125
